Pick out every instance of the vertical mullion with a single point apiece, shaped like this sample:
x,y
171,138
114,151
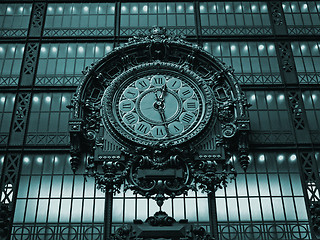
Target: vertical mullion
x,y
29,185
61,188
227,209
124,207
82,205
269,188
184,206
258,188
197,208
136,206
293,198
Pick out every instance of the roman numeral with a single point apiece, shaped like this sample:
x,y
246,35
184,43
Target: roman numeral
x,y
176,128
142,128
142,84
133,94
174,83
159,132
130,118
158,80
126,106
186,92
191,105
187,118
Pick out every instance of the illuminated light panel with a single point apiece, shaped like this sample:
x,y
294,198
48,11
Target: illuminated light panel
x,y
281,97
13,49
264,7
2,99
60,9
13,99
35,99
179,7
63,99
314,97
43,49
50,9
227,7
81,49
293,157
253,7
21,9
26,159
55,159
305,6
233,47
108,48
280,158
145,8
253,97
201,7
303,47
48,99
269,97
112,8
86,9
246,47
271,47
54,49
168,8
191,8
1,49
262,158
9,9
123,8
97,49
2,159
69,49
261,47
134,9
39,160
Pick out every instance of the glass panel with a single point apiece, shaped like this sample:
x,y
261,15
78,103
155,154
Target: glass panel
x,y
80,19
178,18
254,62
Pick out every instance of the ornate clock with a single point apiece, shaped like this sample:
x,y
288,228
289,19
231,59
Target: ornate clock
x,y
161,116
157,102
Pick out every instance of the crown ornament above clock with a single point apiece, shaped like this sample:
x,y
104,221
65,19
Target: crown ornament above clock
x,y
160,116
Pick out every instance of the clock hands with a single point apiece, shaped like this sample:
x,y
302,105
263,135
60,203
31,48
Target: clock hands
x,y
159,106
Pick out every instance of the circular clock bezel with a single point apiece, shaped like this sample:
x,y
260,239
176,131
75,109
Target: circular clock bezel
x,y
109,107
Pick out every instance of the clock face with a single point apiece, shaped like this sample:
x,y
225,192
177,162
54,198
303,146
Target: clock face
x,y
160,105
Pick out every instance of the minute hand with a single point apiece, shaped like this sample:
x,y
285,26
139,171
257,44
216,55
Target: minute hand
x,y
163,118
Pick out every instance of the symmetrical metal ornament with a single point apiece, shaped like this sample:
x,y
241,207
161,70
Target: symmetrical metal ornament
x,y
160,116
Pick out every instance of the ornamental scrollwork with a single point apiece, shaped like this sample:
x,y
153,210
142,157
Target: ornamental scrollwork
x,y
120,152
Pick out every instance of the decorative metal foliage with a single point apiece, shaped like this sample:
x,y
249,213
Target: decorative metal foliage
x,y
166,166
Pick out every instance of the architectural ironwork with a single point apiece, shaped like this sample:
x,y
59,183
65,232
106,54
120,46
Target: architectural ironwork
x,y
161,116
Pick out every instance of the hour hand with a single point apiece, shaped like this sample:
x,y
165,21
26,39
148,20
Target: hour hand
x,y
163,91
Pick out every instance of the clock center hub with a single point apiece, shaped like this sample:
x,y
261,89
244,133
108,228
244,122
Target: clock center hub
x,y
148,106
